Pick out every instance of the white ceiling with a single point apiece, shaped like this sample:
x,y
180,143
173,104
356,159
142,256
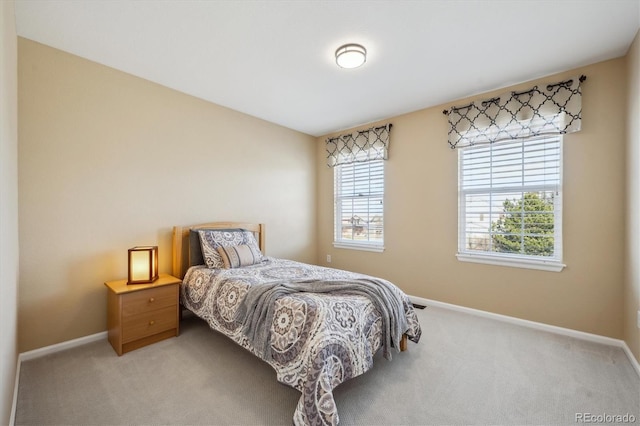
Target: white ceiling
x,y
275,59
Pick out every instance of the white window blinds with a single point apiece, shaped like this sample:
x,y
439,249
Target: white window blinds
x,y
359,207
510,199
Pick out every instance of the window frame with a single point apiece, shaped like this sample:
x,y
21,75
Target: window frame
x,y
555,263
338,241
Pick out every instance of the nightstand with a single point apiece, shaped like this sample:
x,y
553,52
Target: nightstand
x,y
141,314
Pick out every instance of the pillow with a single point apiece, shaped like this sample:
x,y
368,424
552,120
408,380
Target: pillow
x,y
239,256
211,239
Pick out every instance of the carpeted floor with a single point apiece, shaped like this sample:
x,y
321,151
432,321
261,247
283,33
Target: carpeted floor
x,y
466,370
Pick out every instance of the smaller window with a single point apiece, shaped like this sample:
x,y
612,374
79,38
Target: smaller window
x,y
359,205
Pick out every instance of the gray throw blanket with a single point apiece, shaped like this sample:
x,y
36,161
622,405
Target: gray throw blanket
x,y
258,307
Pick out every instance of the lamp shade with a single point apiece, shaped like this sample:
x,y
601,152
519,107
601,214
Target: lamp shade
x,y
143,264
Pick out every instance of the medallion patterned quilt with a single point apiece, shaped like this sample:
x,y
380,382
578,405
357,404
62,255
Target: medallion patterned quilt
x,y
317,340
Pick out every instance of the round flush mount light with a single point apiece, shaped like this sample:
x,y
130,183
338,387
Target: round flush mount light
x,y
351,56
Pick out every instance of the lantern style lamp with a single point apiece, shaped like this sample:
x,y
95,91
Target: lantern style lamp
x,y
143,264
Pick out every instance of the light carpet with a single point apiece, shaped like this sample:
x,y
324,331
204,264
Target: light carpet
x,y
466,370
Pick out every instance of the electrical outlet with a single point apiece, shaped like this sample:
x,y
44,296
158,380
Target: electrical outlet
x,y
328,258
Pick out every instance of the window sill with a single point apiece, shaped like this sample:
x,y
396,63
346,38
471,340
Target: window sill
x,y
516,262
359,246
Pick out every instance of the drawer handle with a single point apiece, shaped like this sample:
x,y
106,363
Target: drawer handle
x,y
152,322
151,300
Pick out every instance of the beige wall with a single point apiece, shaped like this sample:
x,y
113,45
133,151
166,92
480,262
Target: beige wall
x,y
8,207
108,161
632,254
421,218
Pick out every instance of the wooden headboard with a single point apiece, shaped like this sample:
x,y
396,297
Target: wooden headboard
x,y
180,241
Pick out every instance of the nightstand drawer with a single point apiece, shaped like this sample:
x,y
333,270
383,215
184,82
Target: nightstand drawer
x,y
148,300
149,323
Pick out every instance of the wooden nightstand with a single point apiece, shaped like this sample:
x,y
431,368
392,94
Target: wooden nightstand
x,y
141,314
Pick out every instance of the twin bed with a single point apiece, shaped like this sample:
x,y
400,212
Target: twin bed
x,y
317,327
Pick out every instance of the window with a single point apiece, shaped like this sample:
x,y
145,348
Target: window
x,y
359,205
358,187
510,203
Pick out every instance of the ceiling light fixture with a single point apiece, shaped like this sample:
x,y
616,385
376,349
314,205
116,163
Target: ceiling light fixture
x,y
351,56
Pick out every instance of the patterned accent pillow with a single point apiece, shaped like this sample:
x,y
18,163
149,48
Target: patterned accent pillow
x,y
211,239
239,256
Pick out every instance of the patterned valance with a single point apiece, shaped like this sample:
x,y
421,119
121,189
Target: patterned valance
x,y
554,109
365,145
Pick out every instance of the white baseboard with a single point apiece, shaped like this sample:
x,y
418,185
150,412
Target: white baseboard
x,y
12,417
37,353
632,358
535,325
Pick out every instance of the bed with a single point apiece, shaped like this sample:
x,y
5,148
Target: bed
x,y
316,326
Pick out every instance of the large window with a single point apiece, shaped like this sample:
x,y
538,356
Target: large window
x,y
510,203
359,205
